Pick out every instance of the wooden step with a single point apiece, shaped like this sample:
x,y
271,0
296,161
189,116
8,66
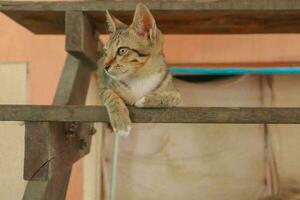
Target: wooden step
x,y
79,113
173,17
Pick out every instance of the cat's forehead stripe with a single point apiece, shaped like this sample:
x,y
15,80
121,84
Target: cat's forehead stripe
x,y
115,37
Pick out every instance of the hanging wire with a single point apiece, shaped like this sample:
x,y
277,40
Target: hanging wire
x,y
114,170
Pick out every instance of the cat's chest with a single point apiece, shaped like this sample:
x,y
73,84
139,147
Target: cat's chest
x,y
140,87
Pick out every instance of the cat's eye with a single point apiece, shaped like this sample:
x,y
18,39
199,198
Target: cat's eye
x,y
122,50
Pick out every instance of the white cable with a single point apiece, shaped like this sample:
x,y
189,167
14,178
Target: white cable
x,y
114,167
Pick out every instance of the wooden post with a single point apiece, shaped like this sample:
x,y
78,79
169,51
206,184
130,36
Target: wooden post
x,y
52,148
80,41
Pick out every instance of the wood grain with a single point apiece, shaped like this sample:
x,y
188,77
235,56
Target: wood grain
x,y
49,152
48,149
45,190
246,115
36,161
81,37
173,17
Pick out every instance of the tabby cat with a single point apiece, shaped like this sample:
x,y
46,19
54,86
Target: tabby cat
x,y
135,70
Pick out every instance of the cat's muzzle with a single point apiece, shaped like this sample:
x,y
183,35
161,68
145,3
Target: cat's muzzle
x,y
106,67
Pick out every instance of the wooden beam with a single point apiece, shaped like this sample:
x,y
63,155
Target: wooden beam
x,y
71,89
49,153
251,115
173,17
44,190
52,147
81,37
37,155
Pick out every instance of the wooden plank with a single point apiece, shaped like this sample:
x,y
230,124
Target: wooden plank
x,y
44,190
60,166
73,85
51,148
36,162
173,17
72,89
81,37
175,5
245,115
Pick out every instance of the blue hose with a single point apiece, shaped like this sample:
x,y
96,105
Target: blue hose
x,y
234,71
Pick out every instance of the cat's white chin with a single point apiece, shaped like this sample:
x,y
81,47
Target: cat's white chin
x,y
140,103
118,77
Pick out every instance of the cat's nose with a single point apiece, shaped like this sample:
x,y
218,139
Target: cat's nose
x,y
107,63
106,67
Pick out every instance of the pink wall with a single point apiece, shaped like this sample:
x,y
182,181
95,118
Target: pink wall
x,y
45,56
232,48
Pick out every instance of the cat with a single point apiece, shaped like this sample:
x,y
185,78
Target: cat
x,y
135,72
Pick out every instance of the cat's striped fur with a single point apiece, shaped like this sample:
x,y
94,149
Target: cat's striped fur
x,y
135,70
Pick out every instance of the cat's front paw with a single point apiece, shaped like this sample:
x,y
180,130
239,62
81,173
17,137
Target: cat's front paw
x,y
123,132
140,103
120,123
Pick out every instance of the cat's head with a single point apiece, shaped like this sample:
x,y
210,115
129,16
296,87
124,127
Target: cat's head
x,y
129,48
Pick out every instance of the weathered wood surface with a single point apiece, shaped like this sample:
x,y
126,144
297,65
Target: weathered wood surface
x,y
53,147
45,190
173,17
81,37
71,89
250,115
37,156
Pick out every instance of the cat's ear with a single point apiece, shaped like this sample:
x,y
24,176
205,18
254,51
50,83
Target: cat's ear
x,y
143,21
113,23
